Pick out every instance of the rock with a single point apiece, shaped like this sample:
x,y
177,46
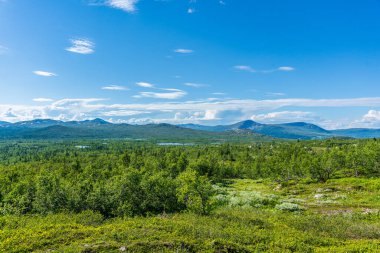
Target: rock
x,y
123,248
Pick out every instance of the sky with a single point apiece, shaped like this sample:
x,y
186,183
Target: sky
x,y
191,61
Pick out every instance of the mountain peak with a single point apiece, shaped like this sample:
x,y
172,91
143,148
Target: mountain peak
x,y
305,125
247,124
99,121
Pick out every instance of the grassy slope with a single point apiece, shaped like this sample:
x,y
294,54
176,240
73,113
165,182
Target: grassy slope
x,y
339,216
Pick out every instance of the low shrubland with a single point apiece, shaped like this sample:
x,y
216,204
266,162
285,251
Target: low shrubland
x,y
119,196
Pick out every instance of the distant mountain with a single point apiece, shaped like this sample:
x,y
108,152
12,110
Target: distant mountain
x,y
38,123
359,133
244,125
297,130
242,131
100,129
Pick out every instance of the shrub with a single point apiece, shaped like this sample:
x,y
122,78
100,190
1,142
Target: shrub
x,y
290,207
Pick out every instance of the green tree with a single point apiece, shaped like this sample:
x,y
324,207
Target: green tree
x,y
195,192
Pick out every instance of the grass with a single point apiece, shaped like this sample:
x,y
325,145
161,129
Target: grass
x,y
344,217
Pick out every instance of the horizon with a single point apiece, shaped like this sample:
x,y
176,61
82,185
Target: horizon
x,y
200,62
180,125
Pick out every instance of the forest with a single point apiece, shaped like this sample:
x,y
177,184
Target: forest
x,y
115,195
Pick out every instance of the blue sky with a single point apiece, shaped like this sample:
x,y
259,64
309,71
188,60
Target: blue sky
x,y
180,61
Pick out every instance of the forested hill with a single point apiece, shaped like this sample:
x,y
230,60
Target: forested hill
x,y
100,129
242,131
295,130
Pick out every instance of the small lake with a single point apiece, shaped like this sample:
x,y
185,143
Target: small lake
x,y
174,144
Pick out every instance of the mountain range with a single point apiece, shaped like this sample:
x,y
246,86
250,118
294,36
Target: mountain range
x,y
295,130
241,131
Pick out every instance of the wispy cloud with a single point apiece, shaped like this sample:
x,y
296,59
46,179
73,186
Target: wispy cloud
x,y
247,68
170,94
115,87
123,113
145,85
125,5
195,85
44,73
191,10
81,46
43,100
286,69
3,49
183,51
286,116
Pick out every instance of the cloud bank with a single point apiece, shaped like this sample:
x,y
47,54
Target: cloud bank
x,y
201,111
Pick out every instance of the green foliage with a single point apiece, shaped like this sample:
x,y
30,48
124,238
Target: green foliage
x,y
195,192
126,179
206,198
291,207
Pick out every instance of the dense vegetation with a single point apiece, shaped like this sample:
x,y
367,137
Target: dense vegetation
x,y
104,196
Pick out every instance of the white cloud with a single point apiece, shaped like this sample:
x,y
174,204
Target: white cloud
x,y
285,116
372,115
195,85
115,87
172,94
286,69
125,5
44,73
219,93
191,10
81,46
183,51
210,114
245,68
252,70
145,84
370,119
42,100
123,113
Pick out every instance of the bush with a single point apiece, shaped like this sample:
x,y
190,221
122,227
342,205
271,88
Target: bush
x,y
290,207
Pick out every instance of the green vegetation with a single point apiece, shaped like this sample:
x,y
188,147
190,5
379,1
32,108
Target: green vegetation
x,y
115,196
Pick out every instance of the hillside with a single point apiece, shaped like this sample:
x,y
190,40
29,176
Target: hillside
x,y
242,131
297,130
294,130
99,129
